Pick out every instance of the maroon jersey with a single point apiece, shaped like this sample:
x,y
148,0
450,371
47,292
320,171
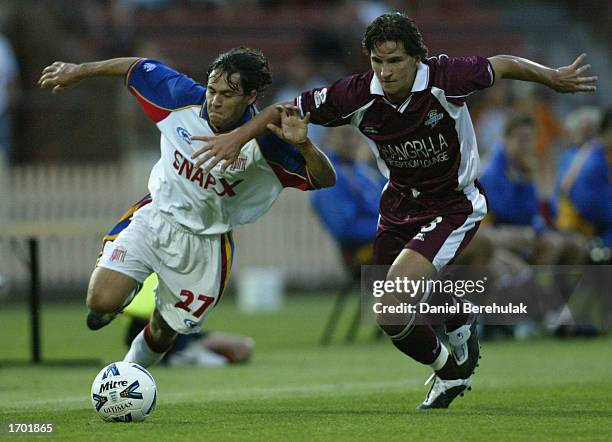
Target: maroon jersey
x,y
425,144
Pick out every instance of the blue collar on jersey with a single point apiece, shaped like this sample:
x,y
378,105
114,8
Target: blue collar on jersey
x,y
248,114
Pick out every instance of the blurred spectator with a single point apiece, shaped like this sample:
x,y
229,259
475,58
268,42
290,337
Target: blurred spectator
x,y
510,176
368,10
207,349
581,126
349,210
491,118
9,92
585,203
537,103
513,201
146,4
301,76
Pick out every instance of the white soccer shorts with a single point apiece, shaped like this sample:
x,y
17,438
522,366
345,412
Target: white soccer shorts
x,y
193,270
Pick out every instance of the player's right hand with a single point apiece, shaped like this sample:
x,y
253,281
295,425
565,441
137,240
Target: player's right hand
x,y
59,75
223,147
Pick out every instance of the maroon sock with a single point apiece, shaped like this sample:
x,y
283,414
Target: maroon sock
x,y
421,344
153,345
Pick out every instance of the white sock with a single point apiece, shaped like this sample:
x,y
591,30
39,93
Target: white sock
x,y
441,359
141,353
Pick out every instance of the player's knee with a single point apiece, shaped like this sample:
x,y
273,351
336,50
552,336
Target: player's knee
x,y
383,323
393,324
108,290
100,301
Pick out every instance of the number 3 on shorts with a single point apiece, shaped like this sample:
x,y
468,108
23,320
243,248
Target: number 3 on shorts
x,y
432,225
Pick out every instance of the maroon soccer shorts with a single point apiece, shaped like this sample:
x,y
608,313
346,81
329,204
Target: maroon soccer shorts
x,y
438,227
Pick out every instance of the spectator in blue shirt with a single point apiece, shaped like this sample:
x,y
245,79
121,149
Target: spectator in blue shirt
x,y
349,210
513,201
581,126
585,203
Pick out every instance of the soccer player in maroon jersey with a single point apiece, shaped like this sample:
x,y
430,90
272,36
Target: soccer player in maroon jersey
x,y
411,109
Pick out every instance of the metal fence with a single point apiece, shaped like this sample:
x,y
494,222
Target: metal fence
x,y
289,238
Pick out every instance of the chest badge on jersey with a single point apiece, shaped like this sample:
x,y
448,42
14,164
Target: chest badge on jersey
x,y
433,118
240,164
186,136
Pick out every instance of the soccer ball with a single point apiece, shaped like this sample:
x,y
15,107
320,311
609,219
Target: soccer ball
x,y
123,392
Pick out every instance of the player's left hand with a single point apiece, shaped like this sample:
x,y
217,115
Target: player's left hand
x,y
569,79
293,128
59,75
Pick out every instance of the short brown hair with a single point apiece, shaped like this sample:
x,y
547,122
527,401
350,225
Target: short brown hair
x,y
395,27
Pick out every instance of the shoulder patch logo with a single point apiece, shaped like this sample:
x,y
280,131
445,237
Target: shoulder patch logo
x,y
118,255
320,97
433,118
186,136
148,67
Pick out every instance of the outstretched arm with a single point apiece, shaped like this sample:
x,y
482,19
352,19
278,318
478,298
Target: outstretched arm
x,y
60,75
226,147
563,79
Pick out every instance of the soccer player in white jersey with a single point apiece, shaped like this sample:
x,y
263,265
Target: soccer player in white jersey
x,y
183,230
412,110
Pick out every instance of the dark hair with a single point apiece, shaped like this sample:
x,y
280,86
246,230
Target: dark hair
x,y
606,121
518,120
395,27
251,64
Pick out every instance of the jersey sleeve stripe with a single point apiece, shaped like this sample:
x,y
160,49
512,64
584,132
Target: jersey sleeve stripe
x,y
491,72
290,179
130,70
139,95
286,162
298,103
310,181
155,112
460,96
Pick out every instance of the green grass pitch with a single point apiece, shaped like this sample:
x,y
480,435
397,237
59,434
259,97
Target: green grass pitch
x,y
295,390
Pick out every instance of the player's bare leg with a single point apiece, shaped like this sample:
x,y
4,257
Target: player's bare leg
x,y
151,344
420,342
107,294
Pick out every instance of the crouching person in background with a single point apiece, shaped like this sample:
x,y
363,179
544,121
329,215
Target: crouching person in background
x,y
205,349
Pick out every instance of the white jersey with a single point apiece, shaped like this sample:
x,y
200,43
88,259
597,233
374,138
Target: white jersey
x,y
215,202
